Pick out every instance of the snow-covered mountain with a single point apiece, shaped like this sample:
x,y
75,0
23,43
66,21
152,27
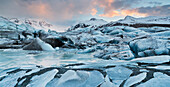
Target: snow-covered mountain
x,y
15,25
29,24
35,23
5,23
145,20
93,22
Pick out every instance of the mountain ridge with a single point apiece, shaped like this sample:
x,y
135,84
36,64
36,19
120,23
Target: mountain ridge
x,y
145,20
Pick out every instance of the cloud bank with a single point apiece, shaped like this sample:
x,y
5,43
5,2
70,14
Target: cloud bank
x,y
66,10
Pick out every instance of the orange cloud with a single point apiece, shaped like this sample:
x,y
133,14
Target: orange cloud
x,y
41,10
133,12
93,11
118,8
104,3
110,1
110,14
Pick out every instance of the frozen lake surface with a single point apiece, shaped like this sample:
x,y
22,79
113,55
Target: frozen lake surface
x,y
10,58
19,68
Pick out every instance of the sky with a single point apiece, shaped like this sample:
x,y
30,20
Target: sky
x,y
64,13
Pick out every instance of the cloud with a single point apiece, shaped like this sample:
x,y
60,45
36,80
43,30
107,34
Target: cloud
x,y
55,10
66,10
155,11
112,7
93,11
141,11
59,9
40,10
110,14
133,12
155,3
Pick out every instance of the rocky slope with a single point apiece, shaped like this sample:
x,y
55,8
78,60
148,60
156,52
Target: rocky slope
x,y
130,56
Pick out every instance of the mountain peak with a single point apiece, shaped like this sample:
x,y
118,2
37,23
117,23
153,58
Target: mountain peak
x,y
128,17
94,22
93,19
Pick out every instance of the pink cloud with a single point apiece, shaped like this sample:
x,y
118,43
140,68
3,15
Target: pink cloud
x,y
110,14
61,10
93,11
41,10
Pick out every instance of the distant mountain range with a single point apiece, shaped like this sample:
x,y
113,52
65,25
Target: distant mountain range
x,y
37,24
145,20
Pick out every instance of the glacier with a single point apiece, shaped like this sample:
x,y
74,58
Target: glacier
x,y
93,53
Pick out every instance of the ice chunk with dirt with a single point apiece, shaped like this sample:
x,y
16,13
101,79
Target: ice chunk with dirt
x,y
135,79
160,67
38,44
12,79
107,83
153,59
43,79
80,79
149,46
118,74
159,80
